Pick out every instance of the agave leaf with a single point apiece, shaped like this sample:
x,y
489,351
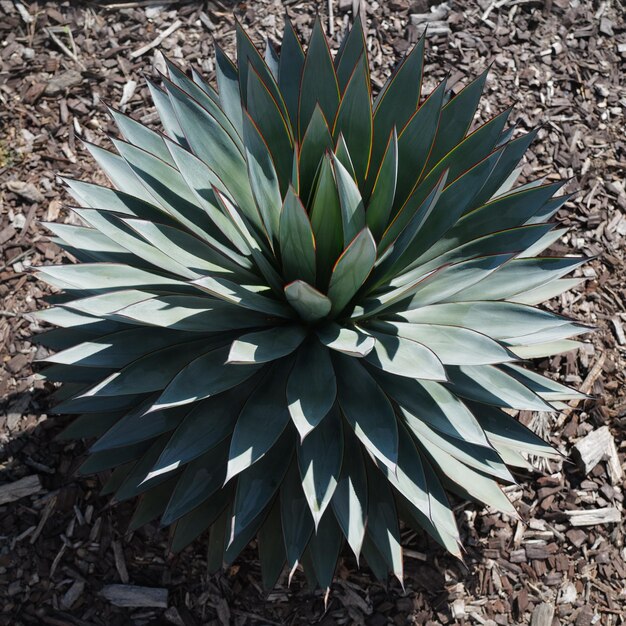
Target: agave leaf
x,y
375,559
324,548
297,243
354,118
100,461
141,136
203,377
351,270
383,189
316,142
228,86
89,240
482,458
206,424
521,276
382,521
435,405
241,296
69,374
500,320
120,173
201,478
266,345
398,99
343,156
296,517
311,388
261,421
453,345
465,481
319,80
548,348
135,426
89,425
352,49
209,102
349,500
192,525
404,357
273,127
502,428
257,485
290,70
271,546
545,387
326,221
547,291
490,385
310,304
152,504
367,410
152,372
456,117
415,142
167,115
352,208
350,341
191,313
319,458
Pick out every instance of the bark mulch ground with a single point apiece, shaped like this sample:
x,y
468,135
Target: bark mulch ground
x,y
65,555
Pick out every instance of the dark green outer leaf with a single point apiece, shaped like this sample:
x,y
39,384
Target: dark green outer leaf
x,y
316,142
290,71
297,243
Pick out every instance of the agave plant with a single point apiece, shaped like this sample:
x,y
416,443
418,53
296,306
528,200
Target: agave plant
x,y
302,314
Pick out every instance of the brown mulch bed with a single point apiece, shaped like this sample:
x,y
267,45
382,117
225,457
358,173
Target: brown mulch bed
x,y
61,546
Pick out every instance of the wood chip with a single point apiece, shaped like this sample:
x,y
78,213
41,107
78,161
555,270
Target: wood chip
x,y
134,596
608,515
27,486
597,446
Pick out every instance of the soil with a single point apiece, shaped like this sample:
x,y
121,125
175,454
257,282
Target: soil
x,y
62,546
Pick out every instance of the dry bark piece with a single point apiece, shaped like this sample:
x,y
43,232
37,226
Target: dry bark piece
x,y
543,615
597,446
135,596
607,515
27,486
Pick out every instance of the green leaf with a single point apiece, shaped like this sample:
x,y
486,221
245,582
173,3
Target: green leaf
x,y
166,112
261,422
456,117
311,388
152,372
398,99
315,143
297,243
384,189
453,345
205,376
319,81
201,478
152,504
551,289
326,221
228,87
490,385
89,425
324,547
257,485
310,304
266,345
319,459
343,156
296,518
351,270
415,141
354,118
350,341
545,387
290,71
382,521
273,127
100,461
435,405
352,208
499,320
206,424
241,296
352,48
271,546
263,177
367,410
349,500
404,357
